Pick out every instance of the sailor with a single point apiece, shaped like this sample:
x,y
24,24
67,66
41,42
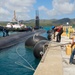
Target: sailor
x,y
59,30
72,57
7,32
3,32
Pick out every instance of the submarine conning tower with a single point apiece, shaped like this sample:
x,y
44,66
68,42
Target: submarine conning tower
x,y
37,19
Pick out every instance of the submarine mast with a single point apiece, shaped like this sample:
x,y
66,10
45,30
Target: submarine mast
x,y
37,19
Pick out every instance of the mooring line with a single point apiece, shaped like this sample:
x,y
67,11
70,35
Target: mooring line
x,y
25,61
19,63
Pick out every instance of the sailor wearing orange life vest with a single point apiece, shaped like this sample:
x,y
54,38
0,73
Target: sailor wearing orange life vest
x,y
59,29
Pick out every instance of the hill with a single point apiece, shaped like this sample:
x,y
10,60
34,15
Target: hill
x,y
44,22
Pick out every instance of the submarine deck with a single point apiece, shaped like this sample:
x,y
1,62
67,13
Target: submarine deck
x,y
13,39
55,61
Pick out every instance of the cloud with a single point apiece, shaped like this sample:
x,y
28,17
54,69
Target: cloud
x,y
4,11
60,7
43,8
22,7
22,16
19,5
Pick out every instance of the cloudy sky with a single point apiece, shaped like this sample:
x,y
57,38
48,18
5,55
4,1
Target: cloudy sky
x,y
48,9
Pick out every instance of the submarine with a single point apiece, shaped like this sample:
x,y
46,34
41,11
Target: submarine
x,y
13,39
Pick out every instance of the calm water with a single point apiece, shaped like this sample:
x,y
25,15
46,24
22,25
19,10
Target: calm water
x,y
9,57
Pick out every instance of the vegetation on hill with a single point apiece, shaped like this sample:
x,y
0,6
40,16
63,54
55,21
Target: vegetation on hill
x,y
45,22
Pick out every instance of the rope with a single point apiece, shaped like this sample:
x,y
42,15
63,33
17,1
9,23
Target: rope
x,y
19,63
25,61
60,44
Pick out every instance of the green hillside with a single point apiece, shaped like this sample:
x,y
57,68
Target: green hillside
x,y
45,22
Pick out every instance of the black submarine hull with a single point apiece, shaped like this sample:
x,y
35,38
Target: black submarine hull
x,y
11,40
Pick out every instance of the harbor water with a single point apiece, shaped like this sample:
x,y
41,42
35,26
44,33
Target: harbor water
x,y
14,60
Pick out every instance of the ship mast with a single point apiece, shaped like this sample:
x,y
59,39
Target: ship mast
x,y
14,17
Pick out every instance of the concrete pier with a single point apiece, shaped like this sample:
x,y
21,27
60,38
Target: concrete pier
x,y
52,63
55,61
